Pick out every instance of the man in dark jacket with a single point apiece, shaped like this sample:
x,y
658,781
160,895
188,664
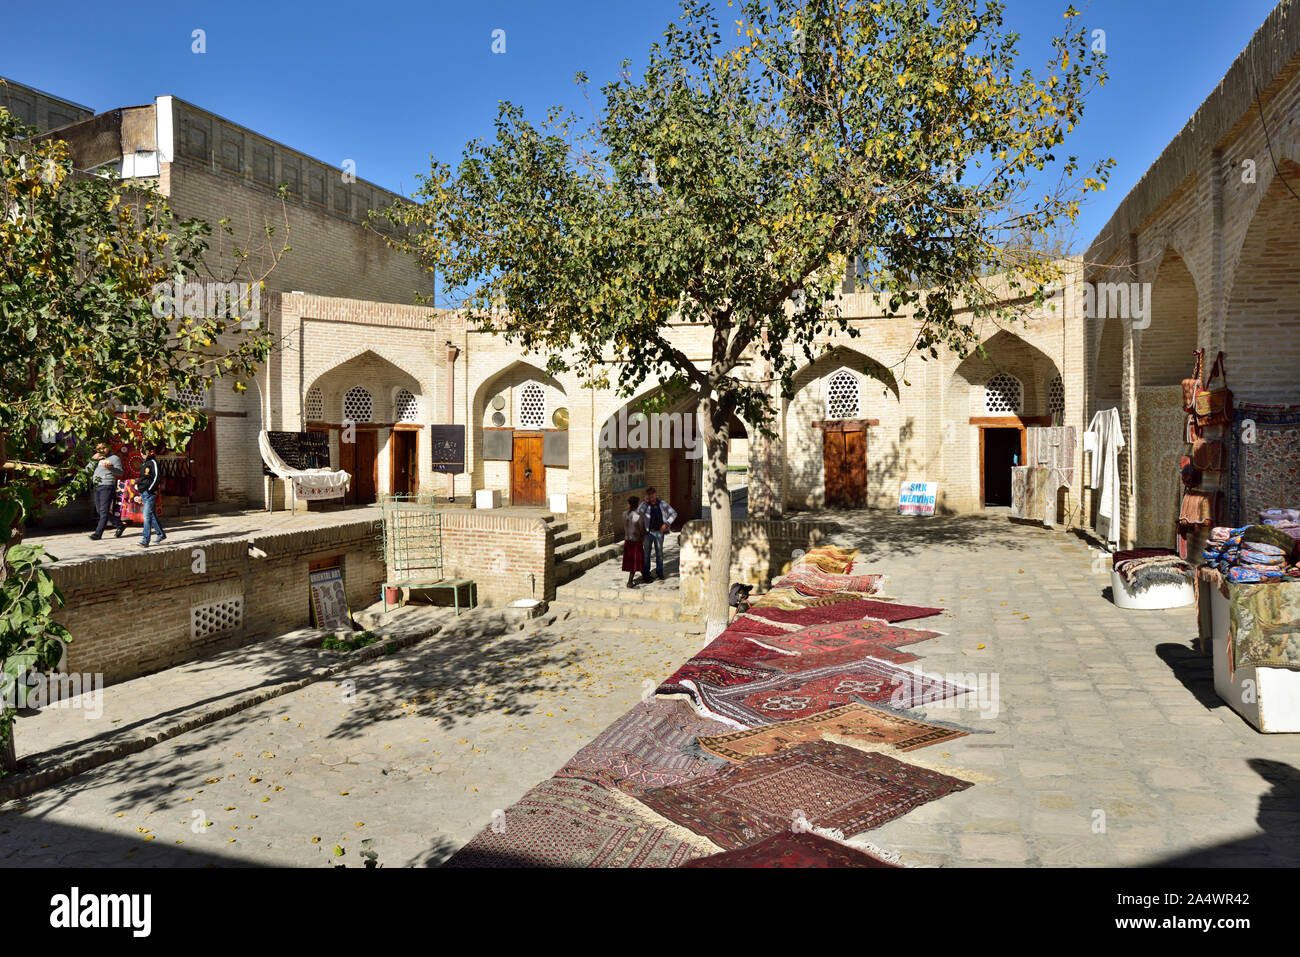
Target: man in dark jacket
x,y
147,485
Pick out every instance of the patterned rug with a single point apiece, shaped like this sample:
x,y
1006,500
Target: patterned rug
x,y
718,672
828,558
790,664
851,610
790,599
646,748
790,849
856,724
814,581
840,634
1264,473
565,822
829,785
783,697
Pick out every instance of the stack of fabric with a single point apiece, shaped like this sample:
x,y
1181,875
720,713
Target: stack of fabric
x,y
1284,519
773,746
1252,553
1140,568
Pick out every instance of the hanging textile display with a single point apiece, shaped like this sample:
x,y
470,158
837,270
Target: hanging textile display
x,y
1263,451
1104,439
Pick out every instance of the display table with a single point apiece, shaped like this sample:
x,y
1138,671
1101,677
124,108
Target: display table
x,y
1269,698
1162,595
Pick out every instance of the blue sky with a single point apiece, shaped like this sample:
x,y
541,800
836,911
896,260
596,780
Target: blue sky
x,y
389,83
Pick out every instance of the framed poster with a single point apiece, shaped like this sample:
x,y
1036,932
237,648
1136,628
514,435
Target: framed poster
x,y
629,471
918,498
329,600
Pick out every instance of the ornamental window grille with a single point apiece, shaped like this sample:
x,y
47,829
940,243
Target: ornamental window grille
x,y
532,406
1003,395
195,397
358,404
315,405
405,405
1056,396
843,396
215,617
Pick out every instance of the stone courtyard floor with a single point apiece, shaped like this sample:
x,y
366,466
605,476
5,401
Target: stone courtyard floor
x,y
1107,744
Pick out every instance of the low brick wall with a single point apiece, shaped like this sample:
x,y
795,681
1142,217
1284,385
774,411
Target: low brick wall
x,y
132,615
507,557
760,551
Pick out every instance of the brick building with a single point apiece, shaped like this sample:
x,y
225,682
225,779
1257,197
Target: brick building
x,y
1211,227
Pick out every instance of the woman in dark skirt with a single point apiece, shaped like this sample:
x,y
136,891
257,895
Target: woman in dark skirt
x,y
633,535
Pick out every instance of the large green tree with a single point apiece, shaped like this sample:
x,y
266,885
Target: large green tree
x,y
729,184
82,341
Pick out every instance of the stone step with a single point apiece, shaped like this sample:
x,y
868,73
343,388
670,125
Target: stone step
x,y
571,550
566,538
578,558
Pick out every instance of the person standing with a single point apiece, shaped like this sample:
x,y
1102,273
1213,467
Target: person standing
x,y
659,517
633,535
147,485
108,469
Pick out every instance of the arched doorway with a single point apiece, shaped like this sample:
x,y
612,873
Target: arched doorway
x,y
833,425
520,419
1165,357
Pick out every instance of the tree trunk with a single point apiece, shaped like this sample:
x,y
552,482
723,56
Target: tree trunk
x,y
8,756
716,435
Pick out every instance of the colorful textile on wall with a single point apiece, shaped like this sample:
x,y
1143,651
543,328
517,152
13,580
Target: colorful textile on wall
x,y
1264,473
854,609
1019,490
1160,446
784,697
566,822
843,634
646,748
828,785
789,849
857,724
1264,625
814,581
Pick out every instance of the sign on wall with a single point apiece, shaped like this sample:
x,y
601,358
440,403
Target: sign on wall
x,y
448,444
918,498
329,600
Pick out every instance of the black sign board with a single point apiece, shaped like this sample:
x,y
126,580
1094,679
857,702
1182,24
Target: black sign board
x,y
448,444
300,450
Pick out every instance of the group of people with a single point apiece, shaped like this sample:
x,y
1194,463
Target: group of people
x,y
645,523
107,469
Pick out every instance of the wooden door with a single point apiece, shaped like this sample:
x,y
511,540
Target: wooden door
x,y
404,471
684,487
844,455
527,474
348,463
366,479
202,453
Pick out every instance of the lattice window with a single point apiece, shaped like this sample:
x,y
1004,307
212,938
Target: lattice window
x,y
198,398
532,406
1003,395
215,617
1056,396
843,396
315,406
407,409
358,404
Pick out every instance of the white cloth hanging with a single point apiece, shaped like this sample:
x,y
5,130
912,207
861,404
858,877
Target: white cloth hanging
x,y
308,484
1105,437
